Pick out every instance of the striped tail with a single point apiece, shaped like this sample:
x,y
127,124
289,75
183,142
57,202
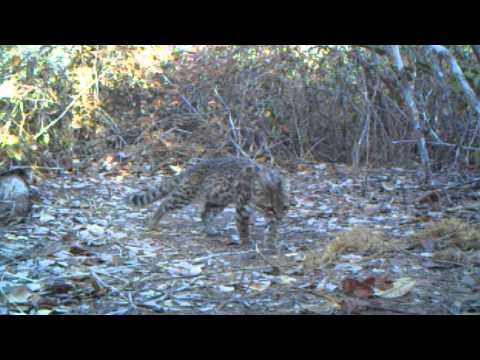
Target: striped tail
x,y
144,198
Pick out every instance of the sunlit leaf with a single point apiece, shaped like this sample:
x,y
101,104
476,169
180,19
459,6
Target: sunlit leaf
x,y
45,217
96,229
400,288
260,285
285,279
43,312
185,268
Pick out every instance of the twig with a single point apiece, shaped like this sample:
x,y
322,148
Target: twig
x,y
231,124
213,255
436,143
205,274
102,272
6,273
186,101
153,307
130,300
38,167
274,266
114,125
462,184
450,262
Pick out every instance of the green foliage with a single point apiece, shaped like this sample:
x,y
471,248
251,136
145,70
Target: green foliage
x,y
37,85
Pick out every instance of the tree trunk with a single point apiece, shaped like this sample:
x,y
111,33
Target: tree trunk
x,y
476,51
407,91
470,95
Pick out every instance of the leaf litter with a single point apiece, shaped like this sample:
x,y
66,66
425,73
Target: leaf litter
x,y
340,252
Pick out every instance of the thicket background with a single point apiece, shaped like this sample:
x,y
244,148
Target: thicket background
x,y
62,104
357,130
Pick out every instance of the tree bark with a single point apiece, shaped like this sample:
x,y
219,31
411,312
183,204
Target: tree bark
x,y
407,92
476,51
470,95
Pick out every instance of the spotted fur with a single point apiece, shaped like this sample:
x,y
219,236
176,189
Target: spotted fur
x,y
218,183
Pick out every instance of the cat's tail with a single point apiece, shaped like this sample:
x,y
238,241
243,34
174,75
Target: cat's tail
x,y
149,196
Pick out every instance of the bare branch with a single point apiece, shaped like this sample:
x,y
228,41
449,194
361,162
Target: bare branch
x,y
470,95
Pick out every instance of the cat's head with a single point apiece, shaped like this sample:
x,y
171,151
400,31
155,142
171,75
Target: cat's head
x,y
271,192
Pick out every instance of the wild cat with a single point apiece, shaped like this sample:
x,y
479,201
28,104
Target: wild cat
x,y
220,182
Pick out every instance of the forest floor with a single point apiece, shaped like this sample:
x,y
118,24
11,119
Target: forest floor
x,y
86,251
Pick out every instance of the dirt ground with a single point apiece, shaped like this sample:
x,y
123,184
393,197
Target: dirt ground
x,y
86,251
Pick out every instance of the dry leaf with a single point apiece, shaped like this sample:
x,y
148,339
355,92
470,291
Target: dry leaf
x,y
348,285
76,249
19,294
363,292
225,289
184,268
361,289
45,217
383,283
96,229
400,288
44,312
285,280
260,285
176,169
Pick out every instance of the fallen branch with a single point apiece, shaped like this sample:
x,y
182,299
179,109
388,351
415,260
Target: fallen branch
x,y
436,143
465,183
